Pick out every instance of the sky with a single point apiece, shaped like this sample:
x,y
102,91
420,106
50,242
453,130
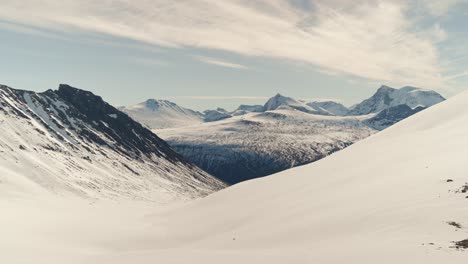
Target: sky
x,y
204,54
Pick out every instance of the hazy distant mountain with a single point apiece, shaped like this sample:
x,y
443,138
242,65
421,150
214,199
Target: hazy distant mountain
x,y
70,141
244,109
158,114
215,115
330,107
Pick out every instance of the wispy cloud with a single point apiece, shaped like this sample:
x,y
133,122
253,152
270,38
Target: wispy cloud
x,y
440,8
222,63
458,75
375,40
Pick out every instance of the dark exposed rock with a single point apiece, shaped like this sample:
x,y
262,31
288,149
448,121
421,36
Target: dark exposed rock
x,y
462,244
391,116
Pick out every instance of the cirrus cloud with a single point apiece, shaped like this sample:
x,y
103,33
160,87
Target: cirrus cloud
x,y
369,39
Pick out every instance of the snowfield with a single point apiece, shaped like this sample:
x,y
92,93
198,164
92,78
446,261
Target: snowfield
x,y
386,199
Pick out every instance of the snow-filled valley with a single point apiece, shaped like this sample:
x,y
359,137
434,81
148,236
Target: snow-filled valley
x,y
260,144
398,196
256,141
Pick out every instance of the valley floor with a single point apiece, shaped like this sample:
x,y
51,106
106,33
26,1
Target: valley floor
x,y
46,231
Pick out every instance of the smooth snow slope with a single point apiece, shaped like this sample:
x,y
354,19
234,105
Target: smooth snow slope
x,y
385,199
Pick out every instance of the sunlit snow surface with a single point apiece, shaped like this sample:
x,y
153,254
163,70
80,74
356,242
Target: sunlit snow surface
x,y
386,199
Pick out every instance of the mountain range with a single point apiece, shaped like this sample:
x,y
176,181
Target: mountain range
x,y
398,196
255,141
71,142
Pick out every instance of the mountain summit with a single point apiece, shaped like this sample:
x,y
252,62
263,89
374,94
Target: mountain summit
x,y
159,114
387,97
279,101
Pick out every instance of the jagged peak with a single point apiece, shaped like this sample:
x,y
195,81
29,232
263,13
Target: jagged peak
x,y
155,103
385,88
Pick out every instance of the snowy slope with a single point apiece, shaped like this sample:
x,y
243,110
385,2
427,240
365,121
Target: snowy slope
x,y
259,144
387,97
387,199
157,114
70,142
333,108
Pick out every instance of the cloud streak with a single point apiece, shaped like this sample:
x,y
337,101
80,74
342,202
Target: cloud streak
x,y
371,39
222,63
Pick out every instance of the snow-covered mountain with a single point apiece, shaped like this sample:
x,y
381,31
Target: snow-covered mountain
x,y
244,109
255,141
396,197
387,97
215,115
70,141
259,144
330,107
391,116
282,102
159,114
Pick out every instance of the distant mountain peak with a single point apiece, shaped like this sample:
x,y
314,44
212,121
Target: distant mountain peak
x,y
387,97
278,100
158,114
330,107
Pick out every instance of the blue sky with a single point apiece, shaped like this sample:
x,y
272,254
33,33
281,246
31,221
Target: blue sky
x,y
208,53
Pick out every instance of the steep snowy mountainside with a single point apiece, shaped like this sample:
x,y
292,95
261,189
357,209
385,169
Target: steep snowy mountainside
x,y
259,144
333,108
158,114
70,141
387,97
